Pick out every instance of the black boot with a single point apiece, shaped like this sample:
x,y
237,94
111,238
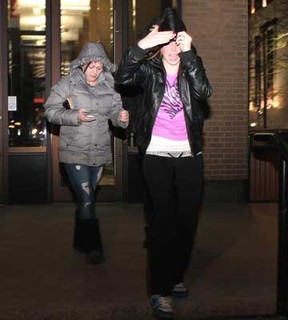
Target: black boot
x,y
87,239
95,254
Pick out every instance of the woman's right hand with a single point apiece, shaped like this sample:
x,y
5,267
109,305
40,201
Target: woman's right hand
x,y
155,38
84,116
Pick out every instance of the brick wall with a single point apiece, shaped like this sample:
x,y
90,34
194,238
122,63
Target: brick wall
x,y
220,33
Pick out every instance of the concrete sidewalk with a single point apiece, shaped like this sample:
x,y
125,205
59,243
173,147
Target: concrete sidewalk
x,y
232,273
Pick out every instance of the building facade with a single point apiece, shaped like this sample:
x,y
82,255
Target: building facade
x,y
39,40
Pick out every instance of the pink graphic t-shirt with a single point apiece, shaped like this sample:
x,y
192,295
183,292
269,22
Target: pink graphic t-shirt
x,y
170,122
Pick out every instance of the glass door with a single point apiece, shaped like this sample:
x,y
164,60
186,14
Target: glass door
x,y
26,75
26,80
38,41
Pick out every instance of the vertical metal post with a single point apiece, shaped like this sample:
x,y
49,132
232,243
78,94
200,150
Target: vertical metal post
x,y
282,277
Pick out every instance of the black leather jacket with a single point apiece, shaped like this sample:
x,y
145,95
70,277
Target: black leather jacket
x,y
194,88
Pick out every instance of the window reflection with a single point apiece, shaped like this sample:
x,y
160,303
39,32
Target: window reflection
x,y
83,21
26,72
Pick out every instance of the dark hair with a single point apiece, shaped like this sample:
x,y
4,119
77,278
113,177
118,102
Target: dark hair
x,y
148,27
171,21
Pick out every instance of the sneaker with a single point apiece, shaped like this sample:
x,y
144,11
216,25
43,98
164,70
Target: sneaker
x,y
180,291
161,307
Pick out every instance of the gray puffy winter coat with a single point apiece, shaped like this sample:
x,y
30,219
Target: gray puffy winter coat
x,y
87,143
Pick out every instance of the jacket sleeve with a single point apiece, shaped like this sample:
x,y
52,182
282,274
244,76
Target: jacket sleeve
x,y
116,108
196,75
55,112
127,73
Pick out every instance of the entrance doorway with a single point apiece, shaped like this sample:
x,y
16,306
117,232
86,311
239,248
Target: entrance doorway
x,y
39,39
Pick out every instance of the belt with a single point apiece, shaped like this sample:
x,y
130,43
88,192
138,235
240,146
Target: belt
x,y
172,154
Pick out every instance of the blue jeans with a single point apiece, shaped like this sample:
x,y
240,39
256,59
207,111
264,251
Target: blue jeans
x,y
84,181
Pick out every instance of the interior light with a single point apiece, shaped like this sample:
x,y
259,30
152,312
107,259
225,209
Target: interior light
x,y
31,20
36,11
31,4
252,6
40,43
40,28
81,5
251,105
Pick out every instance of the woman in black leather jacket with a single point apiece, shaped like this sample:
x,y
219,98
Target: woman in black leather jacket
x,y
168,125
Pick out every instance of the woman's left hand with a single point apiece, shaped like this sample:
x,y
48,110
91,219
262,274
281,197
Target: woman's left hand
x,y
184,40
124,116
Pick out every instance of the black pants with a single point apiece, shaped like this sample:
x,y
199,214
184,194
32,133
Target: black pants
x,y
174,189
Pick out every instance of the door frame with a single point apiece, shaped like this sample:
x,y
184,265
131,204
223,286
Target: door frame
x,y
4,186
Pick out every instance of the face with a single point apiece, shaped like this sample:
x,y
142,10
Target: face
x,y
170,54
93,71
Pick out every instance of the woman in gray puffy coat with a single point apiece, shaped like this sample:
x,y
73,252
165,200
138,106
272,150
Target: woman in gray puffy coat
x,y
82,103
